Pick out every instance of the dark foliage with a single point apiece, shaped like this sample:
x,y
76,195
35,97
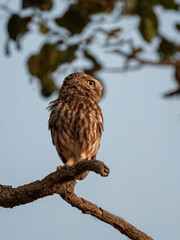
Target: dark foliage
x,y
66,41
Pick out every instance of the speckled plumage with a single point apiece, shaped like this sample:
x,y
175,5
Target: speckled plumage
x,y
76,120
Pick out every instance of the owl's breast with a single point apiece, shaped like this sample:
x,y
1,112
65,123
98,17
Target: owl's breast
x,y
76,127
88,124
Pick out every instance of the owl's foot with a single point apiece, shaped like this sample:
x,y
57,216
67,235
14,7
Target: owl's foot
x,y
70,162
82,176
65,166
59,168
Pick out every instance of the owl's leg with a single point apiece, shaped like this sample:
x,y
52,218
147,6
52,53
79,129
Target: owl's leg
x,y
82,176
70,162
59,168
83,157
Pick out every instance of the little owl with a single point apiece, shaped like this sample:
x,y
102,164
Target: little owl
x,y
76,120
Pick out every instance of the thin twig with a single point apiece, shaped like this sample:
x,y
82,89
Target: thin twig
x,y
146,61
122,69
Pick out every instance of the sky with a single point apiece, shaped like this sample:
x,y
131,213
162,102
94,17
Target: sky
x,y
140,145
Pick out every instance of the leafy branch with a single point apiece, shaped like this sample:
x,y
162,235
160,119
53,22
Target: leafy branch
x,y
71,35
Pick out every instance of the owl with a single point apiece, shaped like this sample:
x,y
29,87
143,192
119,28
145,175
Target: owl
x,y
76,121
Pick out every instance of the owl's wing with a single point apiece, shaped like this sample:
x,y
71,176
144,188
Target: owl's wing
x,y
55,128
100,121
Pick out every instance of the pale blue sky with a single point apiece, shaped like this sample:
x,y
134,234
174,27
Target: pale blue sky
x,y
140,144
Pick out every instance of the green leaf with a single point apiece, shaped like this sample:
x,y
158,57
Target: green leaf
x,y
167,4
178,26
166,49
47,85
148,26
50,58
74,20
177,75
68,55
43,29
131,6
78,15
46,62
140,6
41,4
34,65
17,26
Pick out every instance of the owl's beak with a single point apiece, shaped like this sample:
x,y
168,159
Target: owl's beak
x,y
100,90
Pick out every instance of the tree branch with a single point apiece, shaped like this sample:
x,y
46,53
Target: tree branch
x,y
11,197
134,56
67,193
62,182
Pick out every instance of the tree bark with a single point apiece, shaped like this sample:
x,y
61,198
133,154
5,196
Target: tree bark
x,y
62,182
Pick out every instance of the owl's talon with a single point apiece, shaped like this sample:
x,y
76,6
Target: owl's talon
x,y
67,166
59,168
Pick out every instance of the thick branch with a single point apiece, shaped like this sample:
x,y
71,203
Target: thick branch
x,y
67,193
11,197
62,182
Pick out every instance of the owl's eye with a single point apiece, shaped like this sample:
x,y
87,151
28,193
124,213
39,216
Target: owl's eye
x,y
91,83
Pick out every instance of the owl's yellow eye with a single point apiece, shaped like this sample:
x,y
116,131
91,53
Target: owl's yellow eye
x,y
91,83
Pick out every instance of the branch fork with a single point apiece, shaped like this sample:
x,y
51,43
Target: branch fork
x,y
63,182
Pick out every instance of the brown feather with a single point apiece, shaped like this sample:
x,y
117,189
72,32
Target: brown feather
x,y
76,120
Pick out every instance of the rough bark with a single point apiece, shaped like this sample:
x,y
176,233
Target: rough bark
x,y
62,182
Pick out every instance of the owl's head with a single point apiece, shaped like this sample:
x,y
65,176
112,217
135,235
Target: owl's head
x,y
84,84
